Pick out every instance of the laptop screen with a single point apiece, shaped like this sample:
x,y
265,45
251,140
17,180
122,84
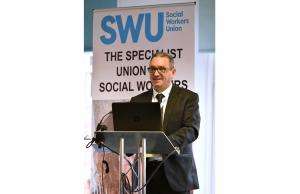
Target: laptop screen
x,y
136,116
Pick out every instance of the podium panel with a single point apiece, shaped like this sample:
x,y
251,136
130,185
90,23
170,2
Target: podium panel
x,y
157,141
135,142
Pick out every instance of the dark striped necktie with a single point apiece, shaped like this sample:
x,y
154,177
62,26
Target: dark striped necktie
x,y
159,98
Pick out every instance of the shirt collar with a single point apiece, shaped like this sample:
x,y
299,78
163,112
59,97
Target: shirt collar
x,y
166,92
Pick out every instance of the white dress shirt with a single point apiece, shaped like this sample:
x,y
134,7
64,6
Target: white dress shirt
x,y
164,101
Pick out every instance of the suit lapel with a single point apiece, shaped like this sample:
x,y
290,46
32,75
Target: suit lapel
x,y
171,103
148,97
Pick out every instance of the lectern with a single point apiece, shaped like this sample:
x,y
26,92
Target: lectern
x,y
136,142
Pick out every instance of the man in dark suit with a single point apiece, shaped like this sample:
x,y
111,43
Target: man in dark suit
x,y
181,122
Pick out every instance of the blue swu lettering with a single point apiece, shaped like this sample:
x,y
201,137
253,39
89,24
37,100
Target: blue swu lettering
x,y
134,28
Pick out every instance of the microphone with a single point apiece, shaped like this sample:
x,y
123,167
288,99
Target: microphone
x,y
98,138
102,127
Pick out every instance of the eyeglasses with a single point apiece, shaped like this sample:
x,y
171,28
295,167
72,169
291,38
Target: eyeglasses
x,y
160,70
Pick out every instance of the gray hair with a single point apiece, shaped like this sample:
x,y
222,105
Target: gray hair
x,y
166,55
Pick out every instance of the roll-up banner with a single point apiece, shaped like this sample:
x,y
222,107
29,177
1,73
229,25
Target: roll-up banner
x,y
124,39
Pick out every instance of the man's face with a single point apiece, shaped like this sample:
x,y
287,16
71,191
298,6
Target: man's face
x,y
162,75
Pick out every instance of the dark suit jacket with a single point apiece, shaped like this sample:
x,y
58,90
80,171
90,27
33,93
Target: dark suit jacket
x,y
181,124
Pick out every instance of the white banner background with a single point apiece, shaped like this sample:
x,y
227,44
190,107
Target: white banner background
x,y
115,45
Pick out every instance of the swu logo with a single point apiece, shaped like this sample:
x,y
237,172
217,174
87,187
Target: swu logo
x,y
108,21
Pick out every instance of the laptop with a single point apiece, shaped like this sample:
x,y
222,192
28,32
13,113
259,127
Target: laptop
x,y
136,116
